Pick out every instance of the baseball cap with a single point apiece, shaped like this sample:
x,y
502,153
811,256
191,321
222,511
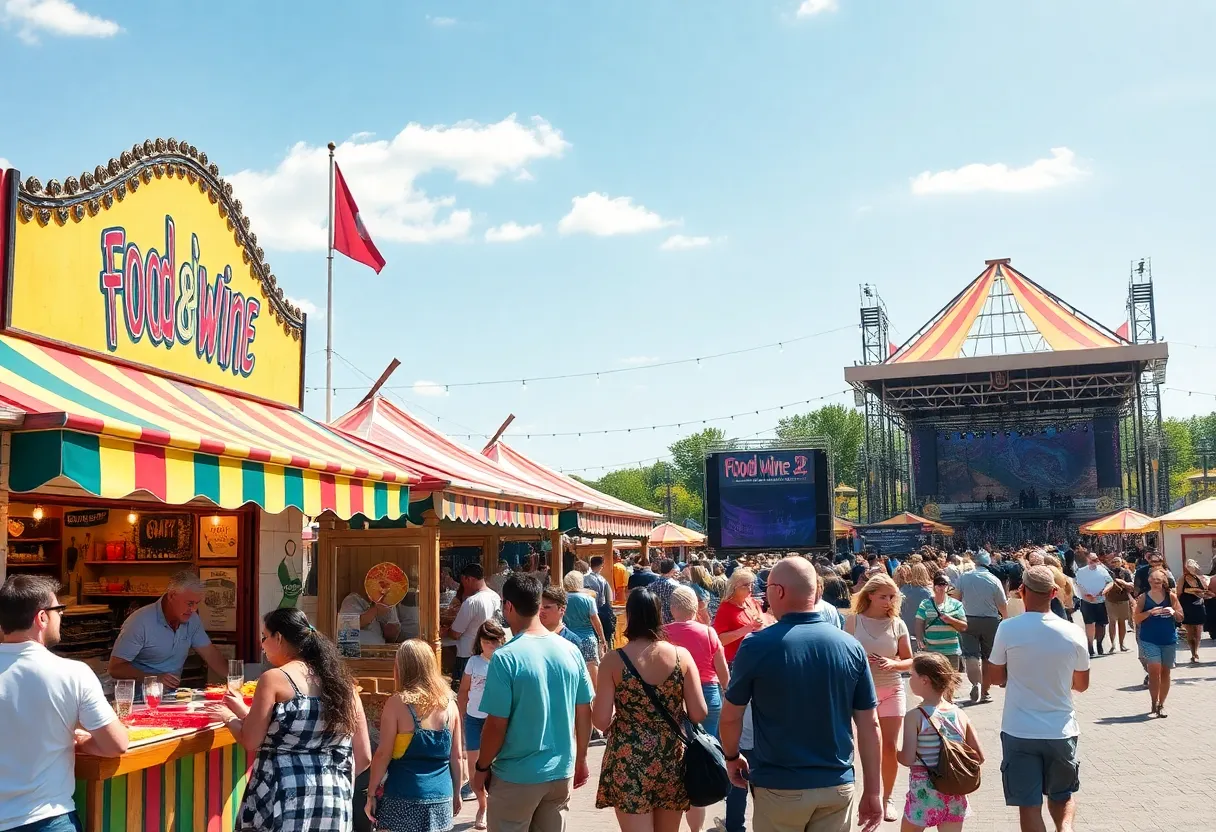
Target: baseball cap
x,y
983,558
1039,579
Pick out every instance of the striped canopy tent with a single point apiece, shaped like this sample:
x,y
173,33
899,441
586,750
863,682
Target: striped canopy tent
x,y
907,518
478,489
590,512
116,431
1003,312
672,534
1127,521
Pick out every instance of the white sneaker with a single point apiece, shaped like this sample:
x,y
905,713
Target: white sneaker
x,y
975,694
719,825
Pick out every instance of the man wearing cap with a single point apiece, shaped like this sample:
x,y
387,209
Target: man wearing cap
x,y
1041,659
983,598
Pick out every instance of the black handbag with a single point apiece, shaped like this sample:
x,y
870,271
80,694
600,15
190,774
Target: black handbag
x,y
705,777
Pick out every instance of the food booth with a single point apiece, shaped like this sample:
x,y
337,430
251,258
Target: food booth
x,y
481,513
1189,534
152,377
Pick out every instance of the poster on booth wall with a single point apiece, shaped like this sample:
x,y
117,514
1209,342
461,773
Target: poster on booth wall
x,y
218,611
217,537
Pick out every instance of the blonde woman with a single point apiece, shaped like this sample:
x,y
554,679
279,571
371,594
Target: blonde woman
x,y
916,589
703,585
420,749
739,614
876,624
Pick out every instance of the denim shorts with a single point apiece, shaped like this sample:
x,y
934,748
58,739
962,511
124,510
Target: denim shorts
x,y
472,732
1162,654
60,823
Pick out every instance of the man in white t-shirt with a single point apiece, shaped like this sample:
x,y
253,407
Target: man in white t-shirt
x,y
480,605
1041,659
1094,581
44,700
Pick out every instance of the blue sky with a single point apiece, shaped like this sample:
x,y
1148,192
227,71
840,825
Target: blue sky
x,y
780,143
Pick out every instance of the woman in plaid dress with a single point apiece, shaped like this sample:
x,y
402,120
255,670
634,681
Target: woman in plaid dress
x,y
307,728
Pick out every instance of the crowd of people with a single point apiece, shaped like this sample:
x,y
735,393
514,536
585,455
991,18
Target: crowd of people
x,y
744,650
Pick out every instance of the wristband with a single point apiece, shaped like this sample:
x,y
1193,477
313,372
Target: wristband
x,y
477,765
730,758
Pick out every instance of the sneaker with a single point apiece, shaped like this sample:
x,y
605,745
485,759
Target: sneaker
x,y
466,792
975,694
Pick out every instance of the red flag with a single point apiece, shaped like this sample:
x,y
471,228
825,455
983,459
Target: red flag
x,y
891,349
1123,331
350,237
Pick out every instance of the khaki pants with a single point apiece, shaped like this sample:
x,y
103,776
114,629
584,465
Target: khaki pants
x,y
539,807
805,810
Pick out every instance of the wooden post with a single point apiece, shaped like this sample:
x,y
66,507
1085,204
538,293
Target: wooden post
x,y
489,554
555,557
428,578
645,550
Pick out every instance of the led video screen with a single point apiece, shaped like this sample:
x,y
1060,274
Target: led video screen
x,y
778,499
971,467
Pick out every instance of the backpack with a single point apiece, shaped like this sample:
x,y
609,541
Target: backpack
x,y
958,765
705,776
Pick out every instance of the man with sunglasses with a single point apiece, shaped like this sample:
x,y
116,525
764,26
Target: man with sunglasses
x,y
156,640
44,699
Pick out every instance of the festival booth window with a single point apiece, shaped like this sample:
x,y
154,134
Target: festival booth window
x,y
152,375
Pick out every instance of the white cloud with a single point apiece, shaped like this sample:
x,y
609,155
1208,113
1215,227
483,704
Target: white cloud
x,y
430,389
604,216
442,22
303,304
5,163
512,232
524,175
639,360
680,242
288,206
1058,169
54,17
810,8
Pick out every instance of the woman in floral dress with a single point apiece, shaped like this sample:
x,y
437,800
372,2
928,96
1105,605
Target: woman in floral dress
x,y
639,773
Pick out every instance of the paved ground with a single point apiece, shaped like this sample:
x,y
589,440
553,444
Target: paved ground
x,y
1138,774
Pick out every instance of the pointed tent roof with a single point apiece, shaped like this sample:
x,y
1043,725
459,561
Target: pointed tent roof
x,y
479,490
1126,521
673,534
1003,312
597,513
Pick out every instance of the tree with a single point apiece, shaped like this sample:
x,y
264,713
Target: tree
x,y
844,426
629,484
1181,453
688,458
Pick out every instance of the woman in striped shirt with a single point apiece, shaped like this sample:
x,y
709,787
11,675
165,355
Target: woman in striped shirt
x,y
933,679
939,621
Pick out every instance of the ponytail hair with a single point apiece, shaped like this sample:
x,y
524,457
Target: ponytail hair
x,y
321,655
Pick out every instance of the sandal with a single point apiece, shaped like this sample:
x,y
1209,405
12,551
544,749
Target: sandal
x,y
1161,714
480,822
891,814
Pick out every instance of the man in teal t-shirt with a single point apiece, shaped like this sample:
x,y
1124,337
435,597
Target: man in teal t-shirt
x,y
538,701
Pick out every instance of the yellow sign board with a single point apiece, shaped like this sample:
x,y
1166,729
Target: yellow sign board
x,y
155,266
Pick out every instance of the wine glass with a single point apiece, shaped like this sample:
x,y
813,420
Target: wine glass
x,y
236,676
124,697
153,689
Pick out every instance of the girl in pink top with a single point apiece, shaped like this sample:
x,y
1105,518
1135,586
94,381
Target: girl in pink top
x,y
706,649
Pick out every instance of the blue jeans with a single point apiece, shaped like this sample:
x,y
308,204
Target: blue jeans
x,y
60,823
736,809
713,698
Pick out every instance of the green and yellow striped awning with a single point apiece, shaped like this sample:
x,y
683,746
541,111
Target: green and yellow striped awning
x,y
116,431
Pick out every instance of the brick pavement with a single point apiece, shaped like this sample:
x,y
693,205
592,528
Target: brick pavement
x,y
1119,792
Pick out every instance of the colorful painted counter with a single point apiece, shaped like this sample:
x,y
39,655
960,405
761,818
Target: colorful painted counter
x,y
191,783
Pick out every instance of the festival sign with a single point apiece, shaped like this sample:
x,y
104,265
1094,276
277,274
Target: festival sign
x,y
150,261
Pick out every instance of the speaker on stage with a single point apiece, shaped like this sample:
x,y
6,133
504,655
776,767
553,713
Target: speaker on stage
x,y
1106,452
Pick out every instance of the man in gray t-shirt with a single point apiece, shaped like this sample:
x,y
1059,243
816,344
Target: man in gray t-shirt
x,y
983,599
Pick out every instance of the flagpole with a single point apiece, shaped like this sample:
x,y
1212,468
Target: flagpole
x,y
329,298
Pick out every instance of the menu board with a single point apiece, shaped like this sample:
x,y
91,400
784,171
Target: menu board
x,y
164,536
217,537
218,610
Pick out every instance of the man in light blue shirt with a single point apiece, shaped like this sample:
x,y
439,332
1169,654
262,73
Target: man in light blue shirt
x,y
983,598
538,700
155,640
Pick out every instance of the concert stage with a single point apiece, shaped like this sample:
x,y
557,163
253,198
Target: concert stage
x,y
1011,413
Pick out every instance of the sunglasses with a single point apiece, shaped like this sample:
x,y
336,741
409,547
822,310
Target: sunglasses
x,y
59,608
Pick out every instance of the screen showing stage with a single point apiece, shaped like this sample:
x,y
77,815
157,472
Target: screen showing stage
x,y
974,466
769,499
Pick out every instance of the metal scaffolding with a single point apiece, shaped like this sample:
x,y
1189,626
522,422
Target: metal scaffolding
x,y
882,465
1148,478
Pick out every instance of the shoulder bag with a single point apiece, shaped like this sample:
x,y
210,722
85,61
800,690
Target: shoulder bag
x,y
705,776
958,766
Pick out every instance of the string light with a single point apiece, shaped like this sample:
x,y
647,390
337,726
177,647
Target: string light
x,y
38,514
780,345
730,417
132,518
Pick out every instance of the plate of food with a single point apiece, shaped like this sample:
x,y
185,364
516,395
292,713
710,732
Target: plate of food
x,y
386,583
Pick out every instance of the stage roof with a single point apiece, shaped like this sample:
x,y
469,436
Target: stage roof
x,y
1003,312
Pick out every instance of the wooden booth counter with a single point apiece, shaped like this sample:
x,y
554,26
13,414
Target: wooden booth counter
x,y
192,782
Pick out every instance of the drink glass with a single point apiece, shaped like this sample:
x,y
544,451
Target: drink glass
x,y
124,697
152,692
236,676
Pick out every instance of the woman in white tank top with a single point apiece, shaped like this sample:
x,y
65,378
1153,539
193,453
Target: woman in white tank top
x,y
876,624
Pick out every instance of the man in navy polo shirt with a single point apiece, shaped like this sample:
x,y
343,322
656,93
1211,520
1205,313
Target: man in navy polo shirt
x,y
806,681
